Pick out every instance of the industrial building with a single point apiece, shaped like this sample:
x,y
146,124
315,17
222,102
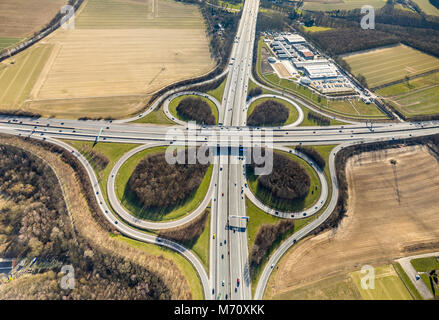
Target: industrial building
x,y
298,60
321,71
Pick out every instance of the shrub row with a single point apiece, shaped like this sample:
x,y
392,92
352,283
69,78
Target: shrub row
x,y
318,119
314,155
267,235
188,233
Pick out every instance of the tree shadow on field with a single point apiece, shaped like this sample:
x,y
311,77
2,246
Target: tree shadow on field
x,y
130,202
395,176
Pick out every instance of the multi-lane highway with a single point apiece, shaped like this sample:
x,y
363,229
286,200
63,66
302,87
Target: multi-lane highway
x,y
229,276
231,246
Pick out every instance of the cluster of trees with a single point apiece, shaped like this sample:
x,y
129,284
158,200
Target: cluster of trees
x,y
189,233
221,39
313,154
271,21
195,109
288,179
35,223
205,87
267,235
339,41
257,91
318,119
158,184
35,199
268,113
391,26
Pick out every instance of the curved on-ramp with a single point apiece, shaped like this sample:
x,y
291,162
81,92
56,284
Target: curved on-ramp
x,y
316,207
126,229
144,224
294,104
287,244
187,93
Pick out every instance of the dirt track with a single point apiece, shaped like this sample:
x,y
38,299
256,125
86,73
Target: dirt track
x,y
392,213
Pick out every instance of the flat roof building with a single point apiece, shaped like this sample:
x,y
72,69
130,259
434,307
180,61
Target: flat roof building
x,y
321,71
294,38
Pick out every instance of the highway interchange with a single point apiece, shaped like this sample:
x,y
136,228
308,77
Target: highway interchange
x,y
226,194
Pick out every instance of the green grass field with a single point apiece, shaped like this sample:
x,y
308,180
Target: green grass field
x,y
425,264
343,5
174,103
18,79
113,151
384,65
429,285
218,92
201,245
420,96
237,6
293,114
316,29
156,117
296,205
128,200
388,285
7,42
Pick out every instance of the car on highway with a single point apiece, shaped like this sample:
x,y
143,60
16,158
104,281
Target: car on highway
x,y
222,194
238,281
222,256
222,283
213,236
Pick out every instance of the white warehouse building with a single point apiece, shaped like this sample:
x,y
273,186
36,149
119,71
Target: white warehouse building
x,y
294,39
321,71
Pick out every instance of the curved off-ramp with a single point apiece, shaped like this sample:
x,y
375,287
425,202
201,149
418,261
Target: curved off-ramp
x,y
287,244
304,103
300,117
124,228
316,207
160,99
144,224
187,93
